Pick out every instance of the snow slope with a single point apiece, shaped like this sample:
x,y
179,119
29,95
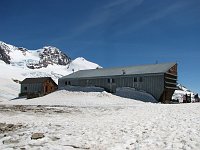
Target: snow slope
x,y
75,98
131,93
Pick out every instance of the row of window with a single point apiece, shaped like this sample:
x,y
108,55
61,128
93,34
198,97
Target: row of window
x,y
140,79
111,80
67,83
135,79
46,88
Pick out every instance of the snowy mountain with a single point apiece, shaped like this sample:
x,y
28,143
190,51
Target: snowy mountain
x,y
41,58
19,63
182,90
35,59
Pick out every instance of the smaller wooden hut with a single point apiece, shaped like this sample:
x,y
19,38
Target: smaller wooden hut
x,y
36,87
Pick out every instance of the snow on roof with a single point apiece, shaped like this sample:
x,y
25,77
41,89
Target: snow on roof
x,y
100,72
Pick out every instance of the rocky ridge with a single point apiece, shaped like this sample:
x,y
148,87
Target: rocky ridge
x,y
33,59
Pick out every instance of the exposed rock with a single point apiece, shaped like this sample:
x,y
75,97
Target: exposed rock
x,y
77,147
10,141
4,54
50,55
36,136
53,55
8,127
54,138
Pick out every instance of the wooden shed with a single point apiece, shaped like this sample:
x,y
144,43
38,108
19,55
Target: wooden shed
x,y
35,87
159,80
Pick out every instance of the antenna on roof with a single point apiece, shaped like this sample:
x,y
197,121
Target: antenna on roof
x,y
123,72
156,61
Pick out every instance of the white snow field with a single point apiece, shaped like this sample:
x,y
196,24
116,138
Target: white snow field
x,y
140,126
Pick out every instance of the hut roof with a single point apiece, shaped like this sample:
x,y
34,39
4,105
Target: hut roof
x,y
144,69
37,80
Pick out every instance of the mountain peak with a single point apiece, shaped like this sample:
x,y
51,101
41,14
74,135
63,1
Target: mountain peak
x,y
32,59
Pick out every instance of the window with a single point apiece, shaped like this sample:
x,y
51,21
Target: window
x,y
135,79
140,79
25,88
111,80
67,82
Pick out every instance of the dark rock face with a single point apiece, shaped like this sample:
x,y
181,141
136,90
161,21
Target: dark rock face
x,y
53,55
50,55
4,51
23,50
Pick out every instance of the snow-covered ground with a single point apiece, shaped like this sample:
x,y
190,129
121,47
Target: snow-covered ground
x,y
70,98
140,126
131,93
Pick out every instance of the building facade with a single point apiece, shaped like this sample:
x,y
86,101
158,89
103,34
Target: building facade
x,y
158,79
35,87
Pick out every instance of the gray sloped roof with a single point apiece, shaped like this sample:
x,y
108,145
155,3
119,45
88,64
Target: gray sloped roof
x,y
144,69
37,80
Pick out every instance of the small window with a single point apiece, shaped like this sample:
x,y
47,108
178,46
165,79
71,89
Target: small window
x,y
25,88
135,79
113,80
67,82
140,79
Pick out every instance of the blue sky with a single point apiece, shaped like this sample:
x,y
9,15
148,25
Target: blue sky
x,y
110,32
